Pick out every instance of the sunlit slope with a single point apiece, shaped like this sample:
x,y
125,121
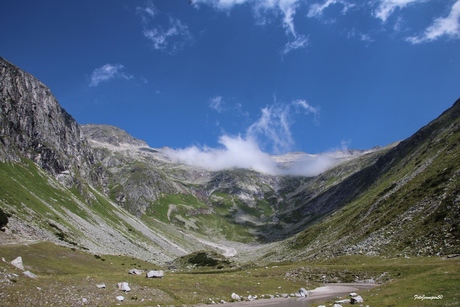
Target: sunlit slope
x,y
407,203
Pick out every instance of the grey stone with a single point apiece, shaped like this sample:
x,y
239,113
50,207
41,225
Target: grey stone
x,y
30,274
18,263
235,297
136,272
155,274
124,286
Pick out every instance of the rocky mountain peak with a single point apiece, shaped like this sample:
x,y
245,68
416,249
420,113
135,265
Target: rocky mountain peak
x,y
110,135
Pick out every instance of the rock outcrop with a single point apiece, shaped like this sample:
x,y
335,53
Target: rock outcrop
x,y
34,125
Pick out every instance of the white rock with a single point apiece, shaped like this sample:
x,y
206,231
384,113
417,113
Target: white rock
x,y
155,274
30,274
236,297
124,286
120,298
356,299
135,272
100,286
18,263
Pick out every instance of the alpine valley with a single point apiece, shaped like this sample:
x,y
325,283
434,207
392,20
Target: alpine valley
x,y
79,202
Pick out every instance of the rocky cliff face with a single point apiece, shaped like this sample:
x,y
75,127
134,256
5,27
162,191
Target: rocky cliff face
x,y
33,124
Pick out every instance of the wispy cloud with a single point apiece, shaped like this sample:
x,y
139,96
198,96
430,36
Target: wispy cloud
x,y
444,26
300,41
108,72
263,8
170,37
273,130
387,7
355,33
316,10
217,104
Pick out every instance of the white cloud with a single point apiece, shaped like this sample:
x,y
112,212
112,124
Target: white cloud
x,y
147,12
316,10
169,39
300,41
273,128
387,7
305,106
108,72
217,104
236,153
354,33
262,8
444,26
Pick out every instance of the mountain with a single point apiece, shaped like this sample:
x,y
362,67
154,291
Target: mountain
x,y
97,188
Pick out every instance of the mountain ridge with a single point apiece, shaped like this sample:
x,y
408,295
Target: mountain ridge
x,y
99,179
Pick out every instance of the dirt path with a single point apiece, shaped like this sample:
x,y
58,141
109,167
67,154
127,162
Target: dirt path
x,y
319,294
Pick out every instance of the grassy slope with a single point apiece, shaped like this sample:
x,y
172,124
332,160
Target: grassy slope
x,y
49,211
413,207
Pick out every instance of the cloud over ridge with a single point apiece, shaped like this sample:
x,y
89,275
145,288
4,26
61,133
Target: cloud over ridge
x,y
272,130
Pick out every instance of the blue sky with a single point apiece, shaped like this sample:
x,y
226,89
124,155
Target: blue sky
x,y
280,75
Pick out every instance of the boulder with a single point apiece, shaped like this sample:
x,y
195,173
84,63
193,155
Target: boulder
x,y
18,263
124,286
155,274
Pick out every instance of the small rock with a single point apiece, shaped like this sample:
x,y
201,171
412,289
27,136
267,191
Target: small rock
x,y
356,299
124,286
236,297
100,286
155,274
120,298
303,292
136,272
18,263
84,301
